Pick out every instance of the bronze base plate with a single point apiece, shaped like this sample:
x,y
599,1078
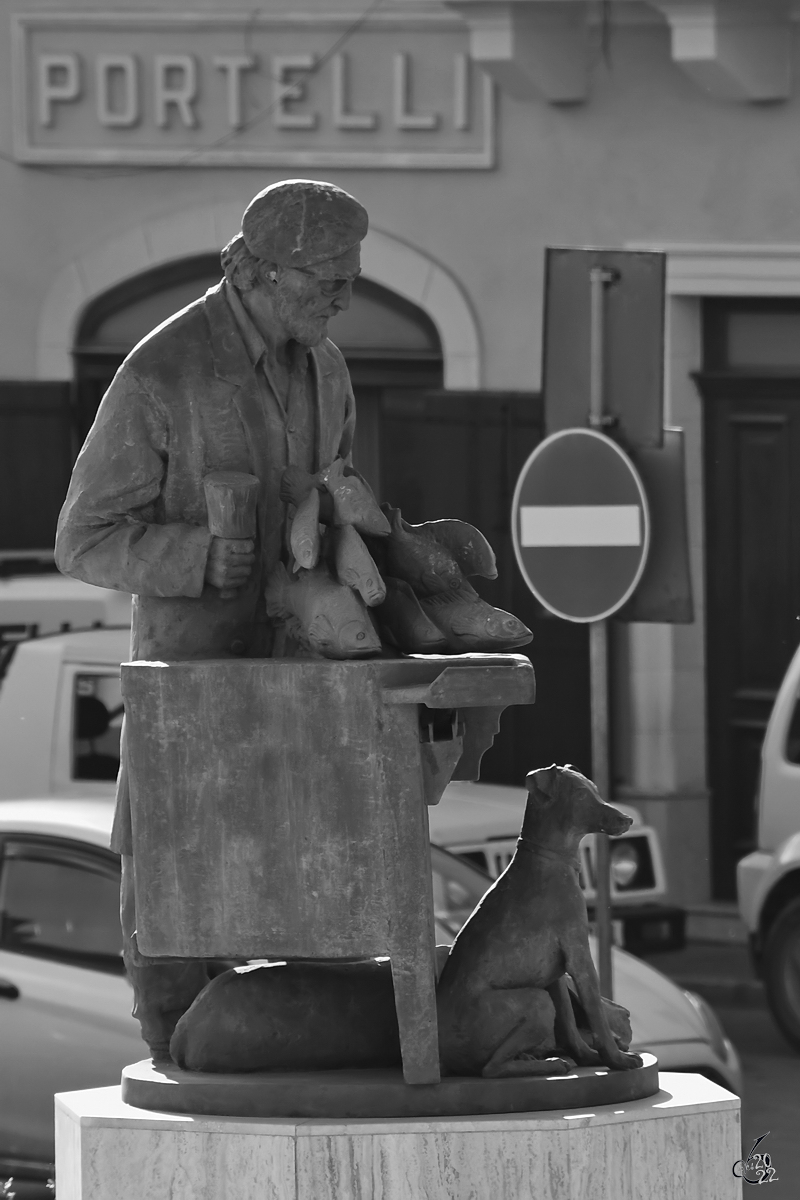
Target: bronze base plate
x,y
341,1095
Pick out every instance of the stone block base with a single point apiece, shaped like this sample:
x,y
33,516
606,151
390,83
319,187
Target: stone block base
x,y
680,1144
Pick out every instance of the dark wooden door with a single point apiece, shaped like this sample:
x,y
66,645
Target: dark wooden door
x,y
752,497
459,455
35,462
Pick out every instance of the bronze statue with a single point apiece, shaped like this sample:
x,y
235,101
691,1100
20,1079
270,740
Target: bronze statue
x,y
243,379
216,484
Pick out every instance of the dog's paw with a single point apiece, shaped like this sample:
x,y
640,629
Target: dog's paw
x,y
559,1066
626,1062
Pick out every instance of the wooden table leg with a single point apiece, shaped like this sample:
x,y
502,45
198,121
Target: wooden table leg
x,y
415,998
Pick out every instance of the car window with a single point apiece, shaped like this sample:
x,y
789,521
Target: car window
x,y
61,903
457,890
96,726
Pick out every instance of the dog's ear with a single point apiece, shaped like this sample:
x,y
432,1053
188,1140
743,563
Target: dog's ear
x,y
543,783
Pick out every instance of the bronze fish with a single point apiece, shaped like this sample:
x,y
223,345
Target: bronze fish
x,y
412,553
355,566
304,535
404,624
469,547
325,616
469,623
353,502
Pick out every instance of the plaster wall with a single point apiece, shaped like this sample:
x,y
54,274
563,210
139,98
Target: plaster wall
x,y
648,158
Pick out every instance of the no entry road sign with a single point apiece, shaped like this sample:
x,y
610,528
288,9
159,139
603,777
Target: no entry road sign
x,y
580,525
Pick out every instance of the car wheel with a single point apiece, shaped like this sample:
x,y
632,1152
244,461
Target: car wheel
x,y
782,972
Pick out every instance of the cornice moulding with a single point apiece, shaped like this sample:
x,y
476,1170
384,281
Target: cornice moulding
x,y
728,269
531,48
736,50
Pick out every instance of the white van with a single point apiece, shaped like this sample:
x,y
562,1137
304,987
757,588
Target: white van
x,y
36,604
768,880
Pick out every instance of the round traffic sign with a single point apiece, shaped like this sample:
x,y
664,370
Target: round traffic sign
x,y
580,525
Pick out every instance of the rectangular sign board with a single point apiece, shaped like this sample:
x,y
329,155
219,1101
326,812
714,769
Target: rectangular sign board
x,y
259,89
633,342
665,591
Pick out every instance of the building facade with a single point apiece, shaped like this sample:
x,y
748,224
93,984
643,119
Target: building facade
x,y
476,134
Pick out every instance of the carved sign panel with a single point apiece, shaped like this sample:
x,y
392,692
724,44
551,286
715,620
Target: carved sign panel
x,y
251,90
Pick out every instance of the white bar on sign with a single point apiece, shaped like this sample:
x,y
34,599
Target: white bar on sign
x,y
580,525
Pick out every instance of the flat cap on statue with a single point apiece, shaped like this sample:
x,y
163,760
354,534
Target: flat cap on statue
x,y
300,222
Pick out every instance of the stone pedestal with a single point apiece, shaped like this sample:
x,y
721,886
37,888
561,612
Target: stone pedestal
x,y
680,1144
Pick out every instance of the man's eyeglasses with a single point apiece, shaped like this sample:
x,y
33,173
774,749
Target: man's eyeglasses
x,y
329,287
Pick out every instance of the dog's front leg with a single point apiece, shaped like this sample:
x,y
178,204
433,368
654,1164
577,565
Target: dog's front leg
x,y
584,975
566,1030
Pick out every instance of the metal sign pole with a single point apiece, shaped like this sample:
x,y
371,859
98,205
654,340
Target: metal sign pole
x,y
599,279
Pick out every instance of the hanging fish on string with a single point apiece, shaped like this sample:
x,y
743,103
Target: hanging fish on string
x,y
353,502
355,565
436,556
304,536
324,616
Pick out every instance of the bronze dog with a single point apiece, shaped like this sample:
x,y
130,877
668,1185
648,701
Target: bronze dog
x,y
295,1016
502,999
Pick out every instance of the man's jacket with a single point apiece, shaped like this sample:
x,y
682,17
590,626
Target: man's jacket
x,y
185,402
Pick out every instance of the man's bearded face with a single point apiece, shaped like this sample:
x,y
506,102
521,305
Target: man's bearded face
x,y
306,298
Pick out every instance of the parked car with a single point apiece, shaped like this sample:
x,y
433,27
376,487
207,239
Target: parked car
x,y
768,880
65,1019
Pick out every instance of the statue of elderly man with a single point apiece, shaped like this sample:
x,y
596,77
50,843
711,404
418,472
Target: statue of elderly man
x,y
244,379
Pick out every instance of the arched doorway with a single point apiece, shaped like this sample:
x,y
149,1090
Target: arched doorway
x,y
113,323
